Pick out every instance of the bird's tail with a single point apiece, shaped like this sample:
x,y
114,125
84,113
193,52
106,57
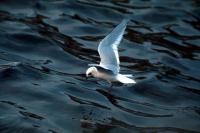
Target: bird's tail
x,y
125,80
128,75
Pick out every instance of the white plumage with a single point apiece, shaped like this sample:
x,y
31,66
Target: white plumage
x,y
109,68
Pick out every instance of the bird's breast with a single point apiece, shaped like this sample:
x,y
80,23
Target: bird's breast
x,y
110,77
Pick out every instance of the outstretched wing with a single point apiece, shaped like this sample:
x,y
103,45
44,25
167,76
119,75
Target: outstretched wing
x,y
108,48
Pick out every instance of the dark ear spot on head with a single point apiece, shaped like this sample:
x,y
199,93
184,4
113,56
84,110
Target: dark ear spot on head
x,y
89,75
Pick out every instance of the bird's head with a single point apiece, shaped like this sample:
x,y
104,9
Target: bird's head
x,y
91,72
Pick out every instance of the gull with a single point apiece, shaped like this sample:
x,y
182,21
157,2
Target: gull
x,y
109,68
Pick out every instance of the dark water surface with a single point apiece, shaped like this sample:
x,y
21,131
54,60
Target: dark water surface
x,y
45,47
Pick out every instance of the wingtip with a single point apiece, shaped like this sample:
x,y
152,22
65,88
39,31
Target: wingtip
x,y
126,20
91,65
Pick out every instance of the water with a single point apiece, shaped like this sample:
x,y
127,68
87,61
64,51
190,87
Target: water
x,y
45,47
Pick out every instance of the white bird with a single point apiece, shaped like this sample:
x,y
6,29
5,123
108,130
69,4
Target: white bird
x,y
108,68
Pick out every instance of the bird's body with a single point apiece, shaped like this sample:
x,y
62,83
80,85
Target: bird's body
x,y
108,68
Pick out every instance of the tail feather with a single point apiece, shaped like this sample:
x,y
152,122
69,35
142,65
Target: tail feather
x,y
125,80
128,75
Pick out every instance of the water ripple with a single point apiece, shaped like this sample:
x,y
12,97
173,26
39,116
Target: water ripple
x,y
45,48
